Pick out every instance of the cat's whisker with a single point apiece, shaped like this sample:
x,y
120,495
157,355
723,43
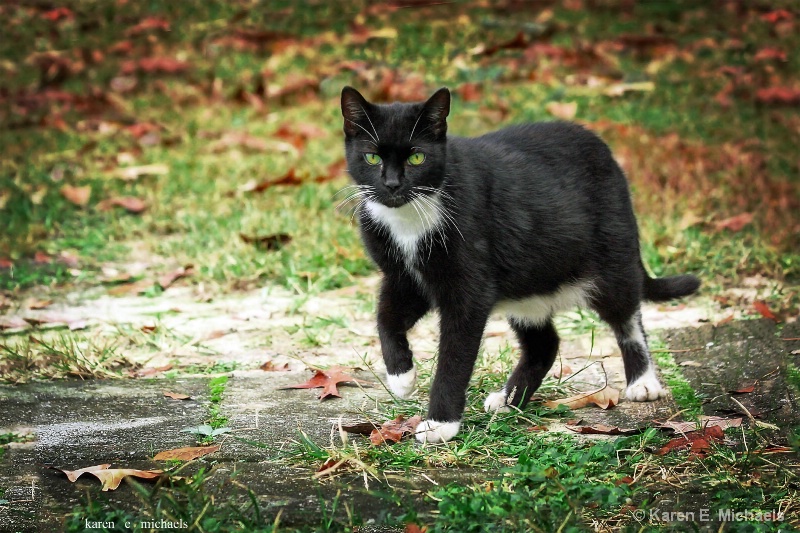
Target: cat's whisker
x,y
365,130
370,123
415,126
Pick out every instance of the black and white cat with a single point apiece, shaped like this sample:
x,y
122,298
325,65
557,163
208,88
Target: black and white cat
x,y
529,220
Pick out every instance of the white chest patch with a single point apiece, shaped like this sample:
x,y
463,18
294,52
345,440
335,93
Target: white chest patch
x,y
538,309
408,224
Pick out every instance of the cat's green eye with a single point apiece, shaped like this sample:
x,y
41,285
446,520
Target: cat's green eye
x,y
372,159
416,158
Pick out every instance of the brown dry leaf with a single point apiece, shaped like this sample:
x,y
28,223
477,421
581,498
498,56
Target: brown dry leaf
x,y
735,223
562,110
13,322
177,395
560,372
698,442
788,96
328,380
394,430
39,304
133,173
619,89
747,389
148,24
605,398
764,310
168,279
290,178
268,242
6,263
538,428
703,422
150,371
185,454
154,65
110,477
76,195
42,258
602,429
269,366
55,319
130,204
362,428
246,141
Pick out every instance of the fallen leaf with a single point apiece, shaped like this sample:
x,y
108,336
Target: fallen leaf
x,y
148,329
562,110
698,442
185,454
770,54
39,304
242,139
602,429
110,477
55,319
776,16
703,422
690,363
13,322
763,310
149,371
789,96
735,223
57,14
470,92
538,428
627,480
605,398
744,390
414,528
133,173
177,395
148,24
6,263
328,380
42,258
130,204
394,430
168,279
269,366
560,372
290,178
154,65
76,195
268,242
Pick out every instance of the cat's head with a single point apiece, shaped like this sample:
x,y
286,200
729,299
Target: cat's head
x,y
396,151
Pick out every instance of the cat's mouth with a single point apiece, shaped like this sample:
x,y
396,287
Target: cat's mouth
x,y
394,200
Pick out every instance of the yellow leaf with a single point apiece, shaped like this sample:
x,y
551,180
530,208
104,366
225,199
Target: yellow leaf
x,y
605,398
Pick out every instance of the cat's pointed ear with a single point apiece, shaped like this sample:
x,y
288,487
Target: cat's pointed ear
x,y
354,110
436,110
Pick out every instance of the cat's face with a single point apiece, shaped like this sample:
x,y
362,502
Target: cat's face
x,y
396,151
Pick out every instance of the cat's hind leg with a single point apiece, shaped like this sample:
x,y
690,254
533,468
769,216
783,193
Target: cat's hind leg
x,y
539,345
640,371
400,306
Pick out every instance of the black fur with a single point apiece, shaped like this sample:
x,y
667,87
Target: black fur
x,y
534,207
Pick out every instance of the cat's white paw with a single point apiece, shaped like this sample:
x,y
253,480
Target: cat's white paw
x,y
402,385
646,388
433,432
496,401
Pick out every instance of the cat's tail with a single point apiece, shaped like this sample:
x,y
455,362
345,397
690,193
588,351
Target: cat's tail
x,y
663,289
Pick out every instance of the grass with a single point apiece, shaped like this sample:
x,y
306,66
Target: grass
x,y
217,125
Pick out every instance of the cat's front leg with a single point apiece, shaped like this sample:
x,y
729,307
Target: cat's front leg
x,y
400,305
460,339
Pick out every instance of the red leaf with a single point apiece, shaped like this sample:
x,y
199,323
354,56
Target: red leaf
x,y
177,395
770,54
778,96
735,223
744,390
470,92
6,263
776,16
168,279
130,204
394,430
76,195
327,380
154,65
57,14
764,310
148,24
698,442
